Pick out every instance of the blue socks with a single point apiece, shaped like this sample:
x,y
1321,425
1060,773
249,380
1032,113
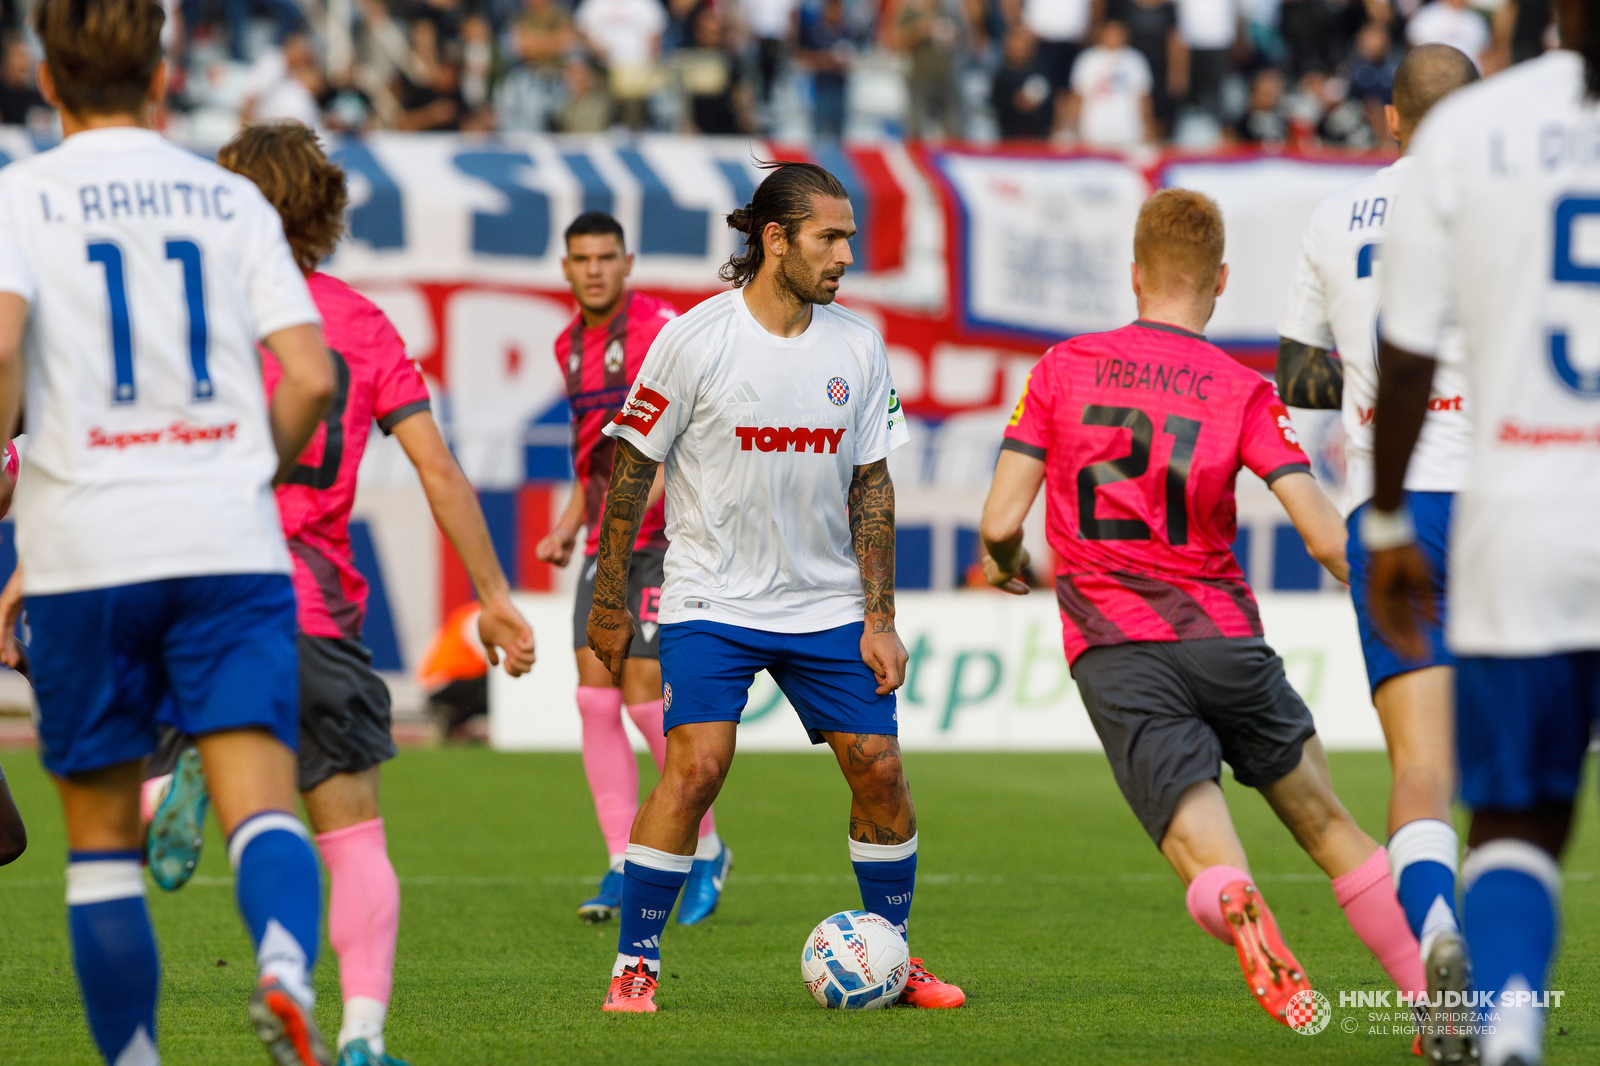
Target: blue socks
x,y
114,951
651,881
1512,901
279,890
887,873
1422,858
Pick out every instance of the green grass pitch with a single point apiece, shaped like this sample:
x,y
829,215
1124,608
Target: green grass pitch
x,y
1038,894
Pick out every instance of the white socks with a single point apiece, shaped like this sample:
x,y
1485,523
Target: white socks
x,y
709,846
363,1020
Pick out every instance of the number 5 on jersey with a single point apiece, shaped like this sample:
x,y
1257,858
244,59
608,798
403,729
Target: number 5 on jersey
x,y
187,254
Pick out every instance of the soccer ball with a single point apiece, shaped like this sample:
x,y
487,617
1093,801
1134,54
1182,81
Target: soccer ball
x,y
854,960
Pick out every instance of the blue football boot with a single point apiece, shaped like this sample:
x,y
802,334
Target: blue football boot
x,y
178,827
704,888
607,903
360,1053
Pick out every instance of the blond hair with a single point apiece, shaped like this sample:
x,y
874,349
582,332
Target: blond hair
x,y
1178,241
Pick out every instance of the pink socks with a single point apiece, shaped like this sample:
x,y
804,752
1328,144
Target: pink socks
x,y
648,717
1370,905
363,923
1205,902
609,765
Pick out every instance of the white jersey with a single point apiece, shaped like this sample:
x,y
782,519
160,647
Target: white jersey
x,y
149,275
1333,304
1499,229
760,436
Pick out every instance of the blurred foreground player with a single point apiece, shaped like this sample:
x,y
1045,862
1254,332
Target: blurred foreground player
x,y
135,280
1488,238
1138,436
344,705
1333,304
13,834
774,413
599,354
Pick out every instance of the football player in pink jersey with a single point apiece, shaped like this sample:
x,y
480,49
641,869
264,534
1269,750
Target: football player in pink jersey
x,y
599,354
13,834
344,704
1138,435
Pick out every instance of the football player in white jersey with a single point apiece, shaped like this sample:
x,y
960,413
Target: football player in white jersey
x,y
774,414
135,281
1494,235
1333,304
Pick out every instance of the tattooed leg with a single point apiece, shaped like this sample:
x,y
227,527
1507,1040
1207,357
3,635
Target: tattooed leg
x,y
881,811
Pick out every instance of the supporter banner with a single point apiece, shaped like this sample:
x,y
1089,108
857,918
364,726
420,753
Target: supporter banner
x,y
443,206
1040,243
986,673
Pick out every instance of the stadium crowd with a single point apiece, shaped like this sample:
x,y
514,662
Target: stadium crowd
x,y
1099,72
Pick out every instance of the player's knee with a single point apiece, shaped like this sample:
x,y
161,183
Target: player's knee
x,y
881,783
700,778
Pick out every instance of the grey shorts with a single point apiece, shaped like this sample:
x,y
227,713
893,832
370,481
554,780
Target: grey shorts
x,y
344,715
645,574
1170,712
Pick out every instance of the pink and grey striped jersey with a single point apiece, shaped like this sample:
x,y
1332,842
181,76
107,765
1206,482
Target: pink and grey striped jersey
x,y
600,365
374,380
1143,431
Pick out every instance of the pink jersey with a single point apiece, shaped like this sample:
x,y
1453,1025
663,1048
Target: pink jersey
x,y
600,365
375,379
1143,430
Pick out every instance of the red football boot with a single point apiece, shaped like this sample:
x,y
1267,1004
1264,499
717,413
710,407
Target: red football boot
x,y
633,991
927,991
1270,969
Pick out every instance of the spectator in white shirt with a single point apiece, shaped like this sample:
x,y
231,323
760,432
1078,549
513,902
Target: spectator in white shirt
x,y
1209,28
626,35
1110,102
1450,22
771,23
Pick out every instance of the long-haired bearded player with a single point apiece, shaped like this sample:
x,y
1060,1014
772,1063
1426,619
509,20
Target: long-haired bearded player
x,y
773,412
599,355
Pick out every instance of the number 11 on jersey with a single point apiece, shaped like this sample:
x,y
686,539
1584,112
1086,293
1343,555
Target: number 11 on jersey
x,y
187,254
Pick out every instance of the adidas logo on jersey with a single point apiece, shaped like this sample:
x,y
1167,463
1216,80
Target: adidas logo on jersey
x,y
779,438
745,393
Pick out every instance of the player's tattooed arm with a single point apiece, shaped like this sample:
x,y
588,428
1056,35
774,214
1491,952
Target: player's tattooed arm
x,y
1309,377
871,506
632,474
610,629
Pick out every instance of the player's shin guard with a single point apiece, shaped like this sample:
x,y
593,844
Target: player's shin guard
x,y
1422,860
887,874
363,925
651,881
280,896
1513,895
609,764
114,952
1368,899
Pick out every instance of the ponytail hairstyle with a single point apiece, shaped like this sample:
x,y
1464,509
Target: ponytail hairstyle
x,y
784,196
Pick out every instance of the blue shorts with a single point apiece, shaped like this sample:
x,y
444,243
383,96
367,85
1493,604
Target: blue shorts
x,y
202,654
707,669
1430,511
1523,727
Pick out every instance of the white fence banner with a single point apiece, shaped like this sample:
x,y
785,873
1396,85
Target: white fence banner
x,y
986,674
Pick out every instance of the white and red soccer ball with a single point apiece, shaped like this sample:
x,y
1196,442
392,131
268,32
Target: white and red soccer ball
x,y
855,960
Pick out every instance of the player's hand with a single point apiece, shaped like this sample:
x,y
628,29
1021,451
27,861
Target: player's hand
x,y
610,634
10,611
1400,591
556,547
1007,582
504,631
882,651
